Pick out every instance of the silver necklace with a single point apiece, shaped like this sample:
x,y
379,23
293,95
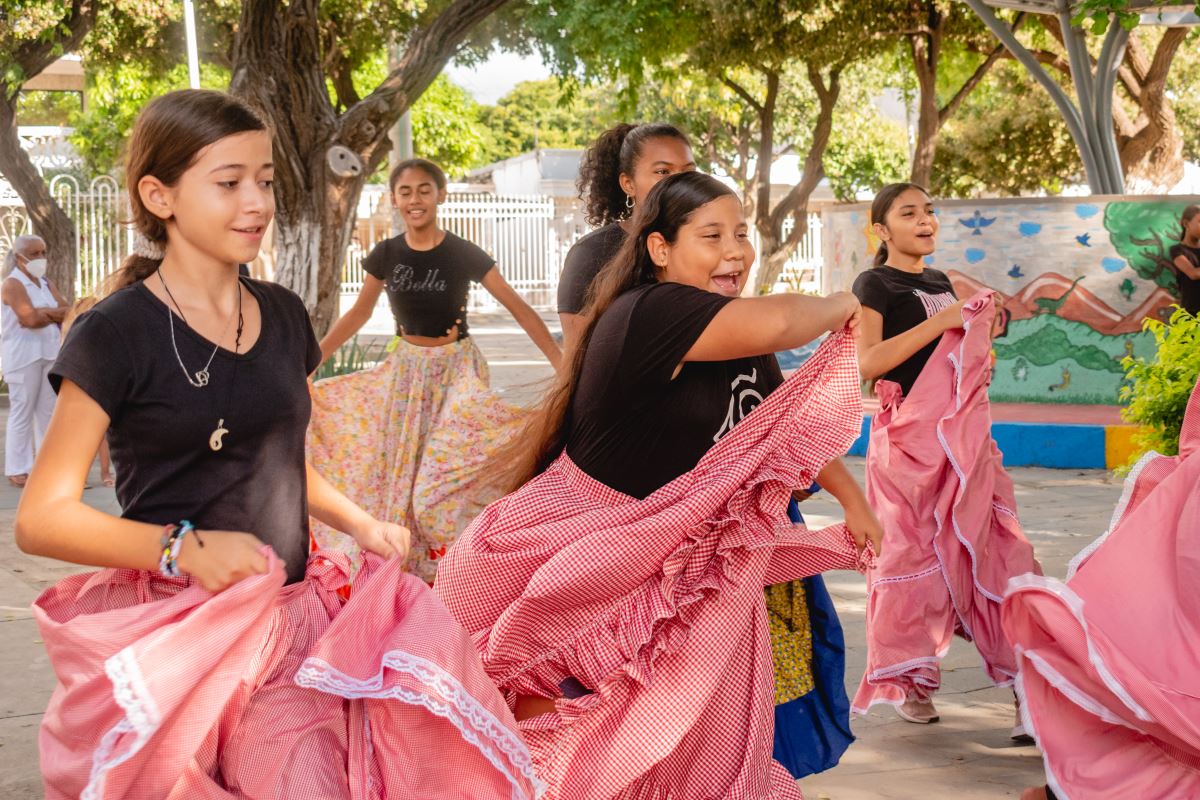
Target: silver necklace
x,y
217,440
200,379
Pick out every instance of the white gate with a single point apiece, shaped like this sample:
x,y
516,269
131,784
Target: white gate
x,y
99,213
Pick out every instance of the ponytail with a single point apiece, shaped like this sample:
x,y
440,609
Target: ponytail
x,y
881,255
134,268
614,153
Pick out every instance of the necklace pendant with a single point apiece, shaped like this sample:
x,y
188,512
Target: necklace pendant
x,y
216,440
202,377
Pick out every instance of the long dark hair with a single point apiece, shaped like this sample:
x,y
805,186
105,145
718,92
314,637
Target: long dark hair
x,y
169,133
1187,216
613,154
668,208
882,204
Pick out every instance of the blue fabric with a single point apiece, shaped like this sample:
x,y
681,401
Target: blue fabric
x,y
812,732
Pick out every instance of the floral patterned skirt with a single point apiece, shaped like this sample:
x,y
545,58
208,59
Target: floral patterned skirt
x,y
410,441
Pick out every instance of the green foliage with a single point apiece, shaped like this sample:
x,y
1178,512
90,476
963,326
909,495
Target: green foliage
x,y
547,113
353,357
1095,14
447,127
866,150
1143,233
115,95
1183,87
1006,140
46,108
1159,388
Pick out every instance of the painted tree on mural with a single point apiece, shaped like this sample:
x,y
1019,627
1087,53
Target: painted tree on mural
x,y
1143,234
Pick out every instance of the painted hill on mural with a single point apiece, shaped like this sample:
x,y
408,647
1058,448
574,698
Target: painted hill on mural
x,y
1051,293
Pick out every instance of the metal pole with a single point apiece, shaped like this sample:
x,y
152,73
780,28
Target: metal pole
x,y
1071,115
189,26
1107,65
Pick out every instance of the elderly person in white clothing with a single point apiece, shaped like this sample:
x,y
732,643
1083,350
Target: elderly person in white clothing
x,y
30,316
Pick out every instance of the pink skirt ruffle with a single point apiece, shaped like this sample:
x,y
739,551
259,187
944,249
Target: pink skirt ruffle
x,y
270,691
1110,659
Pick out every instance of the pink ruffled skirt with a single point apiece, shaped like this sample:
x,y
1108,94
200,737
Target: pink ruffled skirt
x,y
270,691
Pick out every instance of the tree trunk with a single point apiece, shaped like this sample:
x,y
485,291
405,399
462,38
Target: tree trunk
x,y
1151,149
278,69
30,56
926,49
49,220
925,56
774,248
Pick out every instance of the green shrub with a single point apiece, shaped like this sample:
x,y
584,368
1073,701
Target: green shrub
x,y
1156,392
352,357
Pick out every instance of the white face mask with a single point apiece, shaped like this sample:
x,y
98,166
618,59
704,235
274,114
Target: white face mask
x,y
36,268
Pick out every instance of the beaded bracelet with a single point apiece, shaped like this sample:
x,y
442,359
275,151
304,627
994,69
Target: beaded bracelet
x,y
172,543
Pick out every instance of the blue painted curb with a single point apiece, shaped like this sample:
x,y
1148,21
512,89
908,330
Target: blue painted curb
x,y
1035,444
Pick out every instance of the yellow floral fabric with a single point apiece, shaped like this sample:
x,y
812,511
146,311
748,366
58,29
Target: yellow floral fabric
x,y
791,640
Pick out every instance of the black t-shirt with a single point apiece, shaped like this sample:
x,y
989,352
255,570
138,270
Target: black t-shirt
x,y
1189,288
905,300
120,354
428,288
631,426
584,261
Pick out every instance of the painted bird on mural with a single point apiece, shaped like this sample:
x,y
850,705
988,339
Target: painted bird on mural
x,y
977,222
1084,239
1015,272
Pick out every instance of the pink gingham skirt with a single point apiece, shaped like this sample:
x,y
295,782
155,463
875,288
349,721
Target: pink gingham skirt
x,y
270,691
656,606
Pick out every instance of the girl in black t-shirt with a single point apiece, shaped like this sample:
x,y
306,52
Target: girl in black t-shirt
x,y
189,663
616,173
630,563
1185,257
907,307
412,437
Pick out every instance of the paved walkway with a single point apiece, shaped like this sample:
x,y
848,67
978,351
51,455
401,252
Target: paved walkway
x,y
967,755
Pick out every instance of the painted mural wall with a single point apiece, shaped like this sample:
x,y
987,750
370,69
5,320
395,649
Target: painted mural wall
x,y
1078,277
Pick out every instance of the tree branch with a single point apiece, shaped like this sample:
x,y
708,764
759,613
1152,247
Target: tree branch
x,y
742,93
977,77
364,125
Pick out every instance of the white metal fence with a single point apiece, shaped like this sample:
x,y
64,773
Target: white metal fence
x,y
528,235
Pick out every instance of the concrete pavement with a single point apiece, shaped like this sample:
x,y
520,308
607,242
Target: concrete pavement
x,y
966,755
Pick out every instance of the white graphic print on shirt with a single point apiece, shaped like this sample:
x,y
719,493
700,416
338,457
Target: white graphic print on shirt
x,y
934,303
740,403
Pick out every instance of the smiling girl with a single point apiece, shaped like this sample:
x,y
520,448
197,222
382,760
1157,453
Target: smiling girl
x,y
934,475
618,594
616,173
412,437
212,658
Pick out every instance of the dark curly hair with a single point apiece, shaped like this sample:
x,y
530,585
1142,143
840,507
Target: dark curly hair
x,y
613,154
